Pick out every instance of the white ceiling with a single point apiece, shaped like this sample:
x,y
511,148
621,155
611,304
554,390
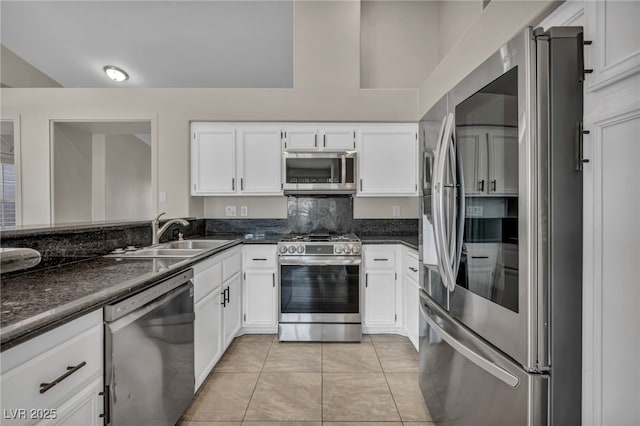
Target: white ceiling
x,y
235,44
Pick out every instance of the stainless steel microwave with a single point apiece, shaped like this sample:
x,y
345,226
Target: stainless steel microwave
x,y
319,172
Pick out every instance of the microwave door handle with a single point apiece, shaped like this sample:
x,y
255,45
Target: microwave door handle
x,y
343,178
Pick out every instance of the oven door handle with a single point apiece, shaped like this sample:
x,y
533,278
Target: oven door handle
x,y
319,260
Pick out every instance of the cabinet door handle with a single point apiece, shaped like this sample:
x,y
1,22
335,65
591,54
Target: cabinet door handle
x,y
493,185
241,184
381,260
481,185
324,140
413,269
260,258
479,257
315,140
274,279
366,280
224,298
228,291
360,184
233,184
70,370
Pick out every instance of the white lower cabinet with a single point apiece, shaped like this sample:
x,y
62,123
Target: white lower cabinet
x,y
217,309
70,360
232,308
380,288
207,340
260,288
411,294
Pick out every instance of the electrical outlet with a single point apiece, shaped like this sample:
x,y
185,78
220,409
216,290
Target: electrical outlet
x,y
396,211
244,211
162,197
229,210
474,211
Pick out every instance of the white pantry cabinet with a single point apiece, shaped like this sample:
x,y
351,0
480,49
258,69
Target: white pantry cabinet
x,y
380,287
490,156
236,159
319,137
260,288
72,354
387,160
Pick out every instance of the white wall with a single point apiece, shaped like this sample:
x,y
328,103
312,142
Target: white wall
x,y
72,175
16,72
398,43
454,19
326,88
127,178
497,23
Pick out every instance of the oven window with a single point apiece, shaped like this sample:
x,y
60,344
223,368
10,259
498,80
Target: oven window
x,y
324,289
314,170
487,145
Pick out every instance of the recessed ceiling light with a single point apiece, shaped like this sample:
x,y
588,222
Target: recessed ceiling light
x,y
115,73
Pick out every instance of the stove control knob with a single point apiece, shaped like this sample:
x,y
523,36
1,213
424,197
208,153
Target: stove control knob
x,y
338,249
283,249
347,249
356,249
300,249
292,249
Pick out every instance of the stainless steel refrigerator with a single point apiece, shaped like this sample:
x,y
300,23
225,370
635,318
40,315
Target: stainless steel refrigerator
x,y
501,238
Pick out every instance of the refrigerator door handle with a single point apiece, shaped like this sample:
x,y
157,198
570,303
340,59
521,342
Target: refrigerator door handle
x,y
488,366
435,190
445,261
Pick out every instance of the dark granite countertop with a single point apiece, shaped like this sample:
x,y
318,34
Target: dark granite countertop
x,y
410,241
244,238
38,301
34,302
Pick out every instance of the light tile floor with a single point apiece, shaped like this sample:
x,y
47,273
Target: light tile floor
x,y
260,381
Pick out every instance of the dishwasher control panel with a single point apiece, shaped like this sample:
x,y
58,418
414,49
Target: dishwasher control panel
x,y
119,309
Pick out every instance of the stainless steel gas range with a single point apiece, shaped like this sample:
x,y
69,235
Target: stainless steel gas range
x,y
320,295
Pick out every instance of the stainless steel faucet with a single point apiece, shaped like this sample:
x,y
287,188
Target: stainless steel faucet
x,y
157,233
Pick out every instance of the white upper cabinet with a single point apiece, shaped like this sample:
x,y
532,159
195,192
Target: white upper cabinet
x,y
213,159
319,137
338,138
301,138
261,160
229,159
387,160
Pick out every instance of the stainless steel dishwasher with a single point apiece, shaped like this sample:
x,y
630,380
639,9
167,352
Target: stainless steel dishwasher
x,y
149,376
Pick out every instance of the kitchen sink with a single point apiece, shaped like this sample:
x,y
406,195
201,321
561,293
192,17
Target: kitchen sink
x,y
187,248
159,252
194,244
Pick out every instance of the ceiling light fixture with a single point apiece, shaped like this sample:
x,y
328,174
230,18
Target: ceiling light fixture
x,y
115,73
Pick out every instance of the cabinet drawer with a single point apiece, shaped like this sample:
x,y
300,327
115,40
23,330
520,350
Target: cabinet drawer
x,y
231,265
207,277
263,256
21,385
412,265
379,257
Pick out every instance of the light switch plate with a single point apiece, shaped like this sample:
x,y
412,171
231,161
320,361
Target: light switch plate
x,y
162,197
229,210
396,211
244,211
